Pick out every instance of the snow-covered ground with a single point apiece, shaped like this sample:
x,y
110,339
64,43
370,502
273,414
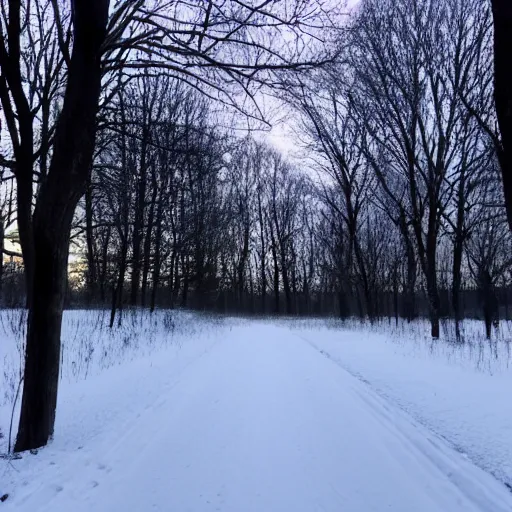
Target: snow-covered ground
x,y
197,414
460,391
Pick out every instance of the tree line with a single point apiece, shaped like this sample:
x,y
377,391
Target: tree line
x,y
397,212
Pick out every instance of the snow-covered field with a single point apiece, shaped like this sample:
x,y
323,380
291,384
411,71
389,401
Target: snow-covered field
x,y
460,391
179,412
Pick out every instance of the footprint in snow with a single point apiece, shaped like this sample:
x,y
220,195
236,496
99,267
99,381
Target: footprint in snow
x,y
104,467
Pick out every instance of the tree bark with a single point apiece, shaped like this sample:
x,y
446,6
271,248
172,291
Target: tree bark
x,y
242,264
137,239
502,14
103,267
395,292
286,279
158,246
117,292
411,272
456,284
489,301
89,235
276,268
1,255
186,277
148,238
263,264
53,215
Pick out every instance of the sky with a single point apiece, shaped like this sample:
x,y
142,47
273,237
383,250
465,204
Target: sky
x,y
281,135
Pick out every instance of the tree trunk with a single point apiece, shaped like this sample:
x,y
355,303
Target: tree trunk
x,y
286,281
342,305
1,256
411,275
395,292
410,295
177,281
117,292
43,340
433,301
138,223
276,286
171,278
89,235
367,292
456,285
56,203
148,239
431,277
242,265
502,13
158,245
263,262
185,271
276,276
104,266
489,300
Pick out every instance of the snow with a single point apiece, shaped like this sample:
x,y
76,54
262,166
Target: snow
x,y
459,391
267,416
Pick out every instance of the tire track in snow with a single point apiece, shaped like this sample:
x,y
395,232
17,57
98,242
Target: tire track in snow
x,y
449,458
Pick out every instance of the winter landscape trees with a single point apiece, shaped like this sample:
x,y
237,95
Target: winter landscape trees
x,y
88,49
121,145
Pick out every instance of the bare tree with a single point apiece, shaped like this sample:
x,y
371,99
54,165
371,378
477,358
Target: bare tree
x,y
31,81
336,136
502,14
6,220
411,62
220,48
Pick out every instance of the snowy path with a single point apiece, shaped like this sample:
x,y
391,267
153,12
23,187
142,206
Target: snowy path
x,y
263,422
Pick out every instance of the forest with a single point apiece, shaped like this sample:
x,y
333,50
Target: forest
x,y
389,205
